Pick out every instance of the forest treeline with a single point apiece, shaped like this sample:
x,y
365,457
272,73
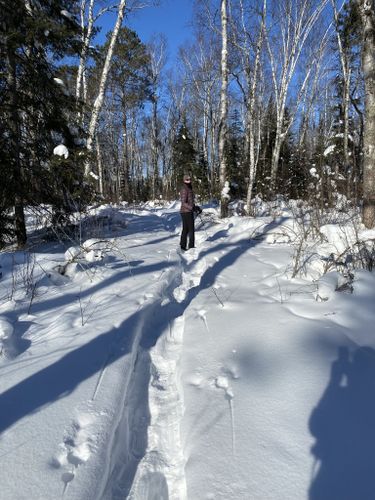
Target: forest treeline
x,y
269,97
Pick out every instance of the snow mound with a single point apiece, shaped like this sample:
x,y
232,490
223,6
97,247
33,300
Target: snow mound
x,y
6,329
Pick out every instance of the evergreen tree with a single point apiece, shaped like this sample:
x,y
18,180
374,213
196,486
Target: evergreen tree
x,y
184,156
201,177
268,134
37,110
291,173
128,88
234,151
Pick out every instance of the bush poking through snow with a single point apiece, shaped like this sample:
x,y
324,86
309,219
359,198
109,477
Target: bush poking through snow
x,y
91,251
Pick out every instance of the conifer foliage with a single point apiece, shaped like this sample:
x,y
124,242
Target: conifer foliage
x,y
36,110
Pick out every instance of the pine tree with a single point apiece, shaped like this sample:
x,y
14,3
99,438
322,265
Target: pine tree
x,y
184,156
201,177
128,88
234,151
268,134
36,107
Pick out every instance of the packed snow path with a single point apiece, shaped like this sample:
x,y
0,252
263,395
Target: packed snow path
x,y
206,375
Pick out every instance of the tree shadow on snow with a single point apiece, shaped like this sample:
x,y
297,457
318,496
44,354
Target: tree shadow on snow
x,y
70,298
62,377
15,344
343,424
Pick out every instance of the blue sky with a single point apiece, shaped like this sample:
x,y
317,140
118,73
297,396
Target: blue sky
x,y
172,19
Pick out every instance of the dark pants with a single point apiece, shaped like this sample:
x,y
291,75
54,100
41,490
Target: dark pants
x,y
187,229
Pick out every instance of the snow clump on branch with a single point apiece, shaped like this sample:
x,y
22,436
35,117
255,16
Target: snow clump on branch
x,y
61,150
225,191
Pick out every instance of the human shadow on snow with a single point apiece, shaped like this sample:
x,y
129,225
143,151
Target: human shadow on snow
x,y
343,424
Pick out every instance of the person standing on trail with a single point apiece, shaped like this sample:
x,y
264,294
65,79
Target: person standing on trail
x,y
187,210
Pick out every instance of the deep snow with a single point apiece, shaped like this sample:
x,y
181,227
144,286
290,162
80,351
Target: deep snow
x,y
146,374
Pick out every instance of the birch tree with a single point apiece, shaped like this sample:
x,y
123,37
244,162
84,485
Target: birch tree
x,y
98,103
128,87
87,32
367,12
202,72
223,110
295,20
157,50
346,80
88,17
250,64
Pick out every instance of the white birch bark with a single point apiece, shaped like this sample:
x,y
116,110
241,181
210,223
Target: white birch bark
x,y
294,30
103,81
86,39
223,108
367,11
251,110
346,74
205,79
157,59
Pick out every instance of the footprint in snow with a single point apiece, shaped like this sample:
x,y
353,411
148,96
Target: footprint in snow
x,y
195,379
221,382
231,371
76,447
145,297
202,315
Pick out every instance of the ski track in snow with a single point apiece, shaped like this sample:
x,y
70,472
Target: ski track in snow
x,y
145,452
160,471
160,474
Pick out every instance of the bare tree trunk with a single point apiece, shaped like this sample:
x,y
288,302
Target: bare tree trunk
x,y
346,73
204,78
157,53
100,168
224,198
15,132
346,103
103,81
154,146
86,38
367,11
125,157
296,23
251,111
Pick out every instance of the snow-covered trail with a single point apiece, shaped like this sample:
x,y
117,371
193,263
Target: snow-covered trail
x,y
258,360
253,372
207,375
83,374
161,473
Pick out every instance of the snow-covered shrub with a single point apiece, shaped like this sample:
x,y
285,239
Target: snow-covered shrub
x,y
237,208
6,332
91,251
333,244
6,227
